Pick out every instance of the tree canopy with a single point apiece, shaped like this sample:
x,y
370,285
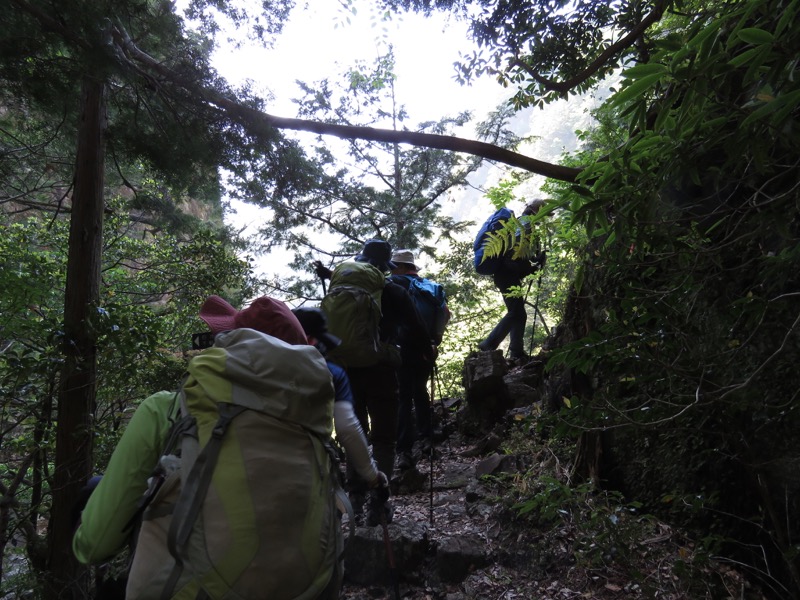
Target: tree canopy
x,y
681,331
679,342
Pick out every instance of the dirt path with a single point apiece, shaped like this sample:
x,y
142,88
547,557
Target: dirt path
x,y
463,542
453,515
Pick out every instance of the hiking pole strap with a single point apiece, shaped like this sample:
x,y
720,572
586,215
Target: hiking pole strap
x,y
344,504
193,493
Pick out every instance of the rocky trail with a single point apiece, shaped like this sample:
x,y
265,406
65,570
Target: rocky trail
x,y
463,539
444,542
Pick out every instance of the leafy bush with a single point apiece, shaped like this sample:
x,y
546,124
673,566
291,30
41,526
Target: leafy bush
x,y
149,301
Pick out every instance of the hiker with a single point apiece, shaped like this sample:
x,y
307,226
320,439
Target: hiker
x,y
348,429
260,403
509,273
366,311
414,409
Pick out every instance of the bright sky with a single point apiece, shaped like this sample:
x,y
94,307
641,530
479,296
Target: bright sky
x,y
318,42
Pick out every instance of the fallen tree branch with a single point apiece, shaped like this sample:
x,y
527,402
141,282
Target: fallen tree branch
x,y
259,123
247,117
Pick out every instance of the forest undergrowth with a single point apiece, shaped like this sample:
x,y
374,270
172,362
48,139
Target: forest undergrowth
x,y
546,536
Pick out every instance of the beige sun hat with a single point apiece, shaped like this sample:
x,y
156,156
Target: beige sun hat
x,y
405,257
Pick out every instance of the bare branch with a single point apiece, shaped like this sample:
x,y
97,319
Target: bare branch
x,y
259,124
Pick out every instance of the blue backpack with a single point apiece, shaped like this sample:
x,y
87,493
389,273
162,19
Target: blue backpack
x,y
489,265
429,299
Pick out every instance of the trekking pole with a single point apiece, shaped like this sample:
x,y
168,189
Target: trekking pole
x,y
430,450
390,556
321,278
528,291
441,402
535,311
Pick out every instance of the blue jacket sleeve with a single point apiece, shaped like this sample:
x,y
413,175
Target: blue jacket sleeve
x,y
341,384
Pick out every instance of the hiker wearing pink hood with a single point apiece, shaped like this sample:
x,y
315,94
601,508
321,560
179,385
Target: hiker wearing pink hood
x,y
264,314
228,475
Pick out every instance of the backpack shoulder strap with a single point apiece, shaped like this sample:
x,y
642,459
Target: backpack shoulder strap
x,y
193,493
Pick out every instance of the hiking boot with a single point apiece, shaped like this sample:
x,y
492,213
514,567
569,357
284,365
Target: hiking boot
x,y
405,461
376,509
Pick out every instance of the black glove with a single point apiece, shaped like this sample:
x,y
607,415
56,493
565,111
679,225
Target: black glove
x,y
83,498
380,488
321,270
542,258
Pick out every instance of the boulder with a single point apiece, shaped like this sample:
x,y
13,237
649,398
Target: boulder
x,y
366,562
486,395
457,557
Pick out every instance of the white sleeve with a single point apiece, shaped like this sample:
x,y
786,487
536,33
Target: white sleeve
x,y
352,438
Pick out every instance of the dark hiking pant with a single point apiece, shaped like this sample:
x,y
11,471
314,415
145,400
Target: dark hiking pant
x,y
513,323
414,404
375,404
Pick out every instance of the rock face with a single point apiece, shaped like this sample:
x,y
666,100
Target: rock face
x,y
457,557
486,395
523,383
492,388
366,560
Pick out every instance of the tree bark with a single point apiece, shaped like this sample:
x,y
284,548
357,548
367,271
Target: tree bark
x,y
253,121
73,457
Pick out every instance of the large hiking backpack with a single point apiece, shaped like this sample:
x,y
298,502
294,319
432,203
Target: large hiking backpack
x,y
485,265
353,308
243,503
429,299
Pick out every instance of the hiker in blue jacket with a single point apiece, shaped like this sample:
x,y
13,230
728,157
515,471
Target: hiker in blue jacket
x,y
414,408
510,274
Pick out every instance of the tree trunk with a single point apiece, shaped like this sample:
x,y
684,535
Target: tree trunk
x,y
590,452
73,458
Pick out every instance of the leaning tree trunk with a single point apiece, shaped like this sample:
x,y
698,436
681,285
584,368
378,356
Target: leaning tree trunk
x,y
590,452
73,458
